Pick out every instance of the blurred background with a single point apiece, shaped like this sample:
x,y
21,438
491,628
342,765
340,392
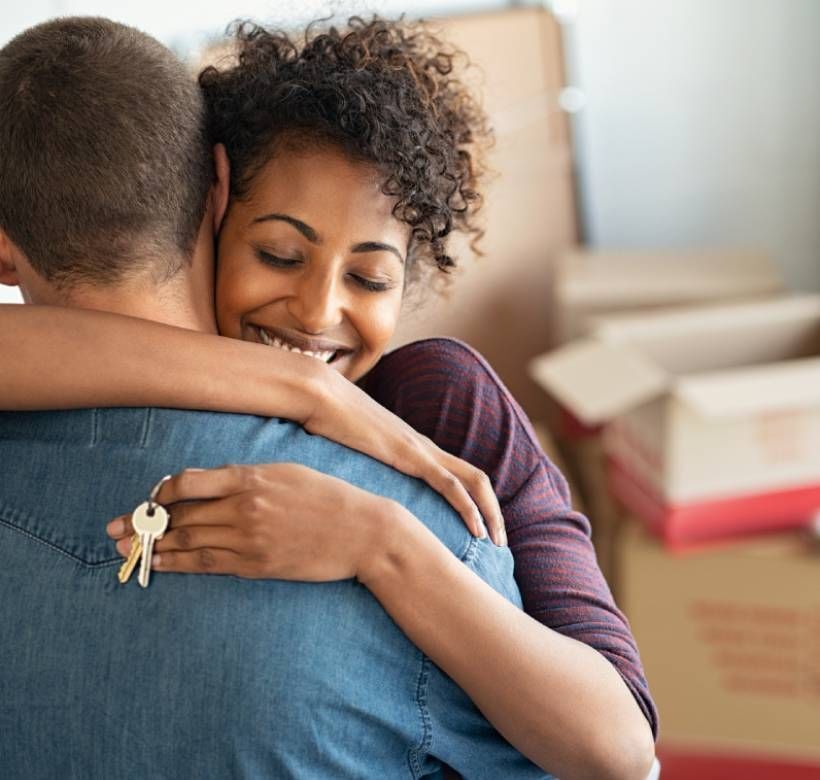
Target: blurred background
x,y
648,293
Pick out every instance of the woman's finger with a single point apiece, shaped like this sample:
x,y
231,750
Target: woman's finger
x,y
480,489
199,484
212,512
474,493
451,489
120,527
205,560
196,537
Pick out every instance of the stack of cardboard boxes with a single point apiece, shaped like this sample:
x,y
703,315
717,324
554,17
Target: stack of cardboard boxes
x,y
692,430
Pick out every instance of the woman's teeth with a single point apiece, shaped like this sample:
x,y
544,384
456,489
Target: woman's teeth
x,y
273,341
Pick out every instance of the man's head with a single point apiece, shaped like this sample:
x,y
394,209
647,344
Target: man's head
x,y
105,167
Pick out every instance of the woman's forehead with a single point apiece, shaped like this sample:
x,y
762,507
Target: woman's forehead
x,y
325,189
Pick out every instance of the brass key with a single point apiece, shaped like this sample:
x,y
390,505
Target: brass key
x,y
127,569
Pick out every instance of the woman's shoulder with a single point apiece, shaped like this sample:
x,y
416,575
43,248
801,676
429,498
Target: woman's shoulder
x,y
447,390
426,359
432,366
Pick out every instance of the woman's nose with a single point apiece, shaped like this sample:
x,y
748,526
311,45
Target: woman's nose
x,y
315,303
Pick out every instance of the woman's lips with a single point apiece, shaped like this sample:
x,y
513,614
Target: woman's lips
x,y
320,349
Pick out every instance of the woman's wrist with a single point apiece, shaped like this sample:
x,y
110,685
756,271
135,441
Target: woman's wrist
x,y
284,385
395,538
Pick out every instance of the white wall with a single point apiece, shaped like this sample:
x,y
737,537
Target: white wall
x,y
10,295
702,125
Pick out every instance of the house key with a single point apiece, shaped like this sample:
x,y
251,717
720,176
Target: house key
x,y
150,521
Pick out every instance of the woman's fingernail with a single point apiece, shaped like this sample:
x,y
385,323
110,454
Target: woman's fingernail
x,y
477,524
156,559
116,527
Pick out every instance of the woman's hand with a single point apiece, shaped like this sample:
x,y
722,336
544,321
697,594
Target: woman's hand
x,y
277,521
346,414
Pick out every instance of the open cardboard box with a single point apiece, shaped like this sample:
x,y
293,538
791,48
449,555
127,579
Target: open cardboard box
x,y
592,283
712,414
730,642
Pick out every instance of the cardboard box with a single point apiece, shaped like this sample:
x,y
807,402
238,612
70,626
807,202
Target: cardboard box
x,y
591,284
730,641
712,414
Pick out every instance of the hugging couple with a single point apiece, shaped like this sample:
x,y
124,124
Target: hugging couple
x,y
367,622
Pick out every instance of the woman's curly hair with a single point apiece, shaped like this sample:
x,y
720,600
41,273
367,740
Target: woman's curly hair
x,y
385,92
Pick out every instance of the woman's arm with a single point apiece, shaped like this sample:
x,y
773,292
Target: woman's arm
x,y
560,702
65,358
555,699
59,358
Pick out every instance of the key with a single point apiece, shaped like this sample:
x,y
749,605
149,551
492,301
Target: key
x,y
127,569
150,520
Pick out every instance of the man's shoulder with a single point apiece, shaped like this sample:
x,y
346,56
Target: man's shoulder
x,y
120,452
140,427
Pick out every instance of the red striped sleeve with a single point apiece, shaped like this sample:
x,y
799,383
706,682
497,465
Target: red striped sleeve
x,y
447,391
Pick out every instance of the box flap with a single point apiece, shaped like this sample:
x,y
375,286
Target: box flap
x,y
596,380
776,387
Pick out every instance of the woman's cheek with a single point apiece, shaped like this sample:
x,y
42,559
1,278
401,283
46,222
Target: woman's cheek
x,y
382,322
239,286
228,310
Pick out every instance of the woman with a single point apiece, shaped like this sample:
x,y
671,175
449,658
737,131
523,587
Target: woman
x,y
352,158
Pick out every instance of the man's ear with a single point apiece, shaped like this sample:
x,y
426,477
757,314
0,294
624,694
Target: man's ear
x,y
222,185
8,266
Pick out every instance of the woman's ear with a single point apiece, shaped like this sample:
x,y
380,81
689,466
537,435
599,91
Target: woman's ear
x,y
8,266
222,185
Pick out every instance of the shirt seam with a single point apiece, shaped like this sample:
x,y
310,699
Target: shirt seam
x,y
146,427
95,428
468,559
424,743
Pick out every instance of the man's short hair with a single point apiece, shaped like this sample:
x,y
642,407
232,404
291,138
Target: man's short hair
x,y
104,160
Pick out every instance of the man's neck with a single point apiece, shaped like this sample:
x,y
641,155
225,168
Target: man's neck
x,y
175,303
160,304
186,300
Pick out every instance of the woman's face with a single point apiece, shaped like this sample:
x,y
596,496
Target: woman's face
x,y
313,260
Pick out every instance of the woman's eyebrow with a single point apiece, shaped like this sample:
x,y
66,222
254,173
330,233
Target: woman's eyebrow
x,y
377,246
306,230
311,235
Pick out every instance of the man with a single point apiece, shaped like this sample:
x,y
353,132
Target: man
x,y
108,201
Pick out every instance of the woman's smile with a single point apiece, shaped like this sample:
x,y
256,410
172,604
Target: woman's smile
x,y
322,349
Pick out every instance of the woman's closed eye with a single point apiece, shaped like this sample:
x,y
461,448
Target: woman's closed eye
x,y
276,261
371,284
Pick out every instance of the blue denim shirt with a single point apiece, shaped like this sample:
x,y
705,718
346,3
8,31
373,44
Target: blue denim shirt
x,y
208,676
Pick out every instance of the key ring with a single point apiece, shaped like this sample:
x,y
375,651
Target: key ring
x,y
152,499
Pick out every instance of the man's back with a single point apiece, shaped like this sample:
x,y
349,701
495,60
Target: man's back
x,y
207,676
